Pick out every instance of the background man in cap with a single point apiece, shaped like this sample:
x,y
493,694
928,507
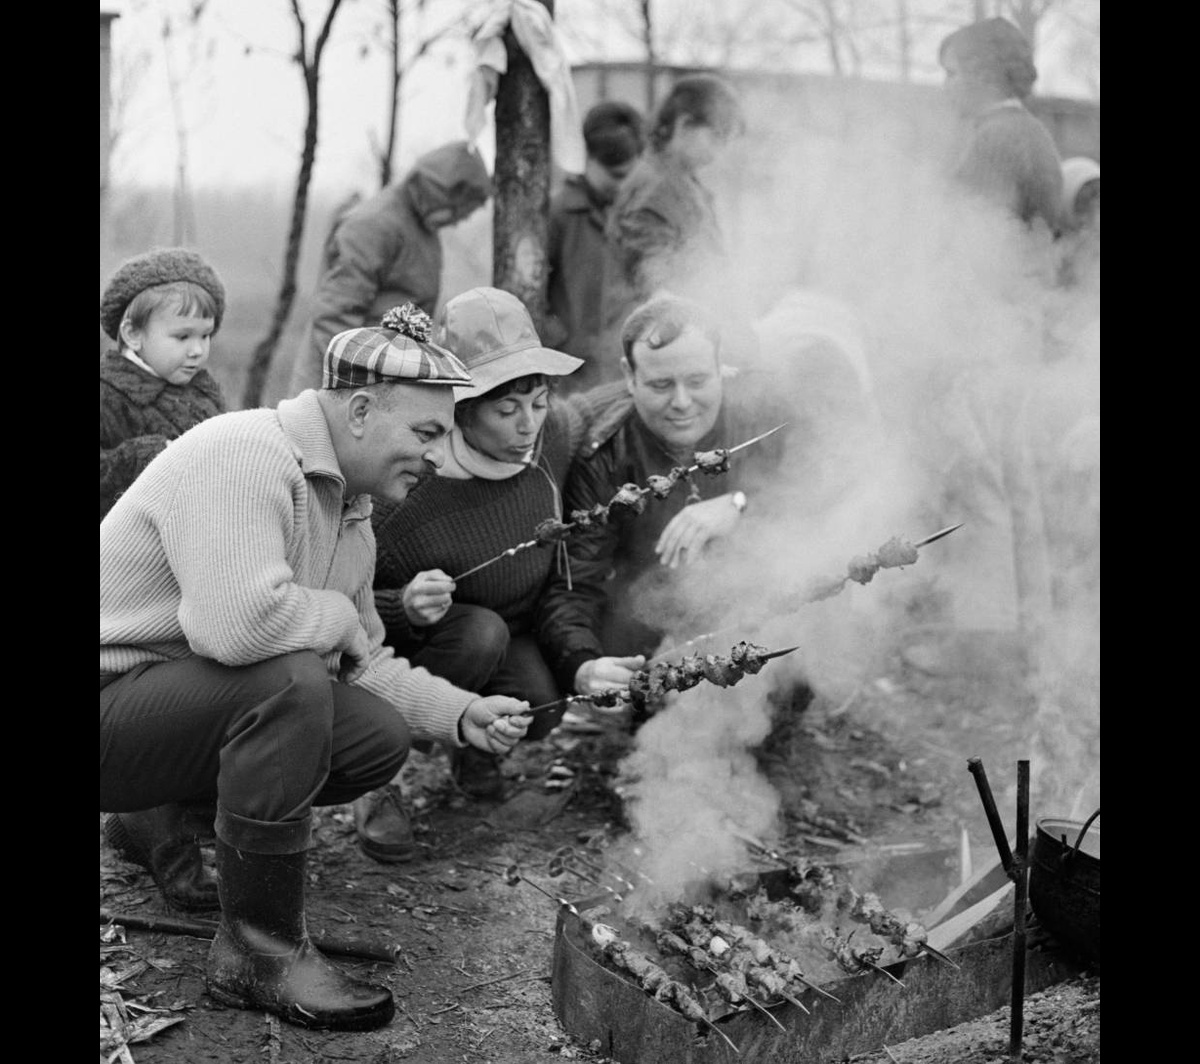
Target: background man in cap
x,y
582,267
386,250
241,654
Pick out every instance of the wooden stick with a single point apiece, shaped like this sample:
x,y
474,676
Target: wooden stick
x,y
1020,896
207,929
498,979
975,767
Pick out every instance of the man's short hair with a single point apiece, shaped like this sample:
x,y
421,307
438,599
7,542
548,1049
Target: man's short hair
x,y
614,133
660,321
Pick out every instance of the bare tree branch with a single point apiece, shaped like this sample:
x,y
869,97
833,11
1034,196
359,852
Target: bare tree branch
x,y
310,69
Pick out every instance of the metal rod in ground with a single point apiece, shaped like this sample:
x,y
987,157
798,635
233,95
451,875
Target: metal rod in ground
x,y
1021,895
169,925
993,816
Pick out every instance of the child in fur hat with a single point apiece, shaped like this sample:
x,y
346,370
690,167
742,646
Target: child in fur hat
x,y
162,309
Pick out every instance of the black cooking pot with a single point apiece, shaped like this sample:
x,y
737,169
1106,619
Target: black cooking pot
x,y
1064,882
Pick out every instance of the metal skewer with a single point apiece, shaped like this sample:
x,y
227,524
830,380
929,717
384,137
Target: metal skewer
x,y
938,535
761,1008
733,450
568,699
558,866
534,542
872,964
935,952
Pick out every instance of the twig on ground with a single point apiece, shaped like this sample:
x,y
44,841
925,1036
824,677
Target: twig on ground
x,y
498,979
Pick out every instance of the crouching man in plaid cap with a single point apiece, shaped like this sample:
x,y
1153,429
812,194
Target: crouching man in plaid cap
x,y
242,660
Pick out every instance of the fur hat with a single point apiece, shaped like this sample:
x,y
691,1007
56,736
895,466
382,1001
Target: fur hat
x,y
398,350
160,266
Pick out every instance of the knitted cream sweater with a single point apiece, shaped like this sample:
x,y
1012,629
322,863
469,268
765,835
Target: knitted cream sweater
x,y
237,544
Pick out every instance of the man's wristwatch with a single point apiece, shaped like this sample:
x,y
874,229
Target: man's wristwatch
x,y
738,498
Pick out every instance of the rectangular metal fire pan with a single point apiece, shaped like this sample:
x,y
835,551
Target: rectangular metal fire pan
x,y
594,1003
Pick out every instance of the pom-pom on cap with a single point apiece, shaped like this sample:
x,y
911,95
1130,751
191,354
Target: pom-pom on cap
x,y
160,266
398,349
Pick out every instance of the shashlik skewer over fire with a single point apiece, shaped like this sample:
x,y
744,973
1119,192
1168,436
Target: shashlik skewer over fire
x,y
649,976
731,985
649,685
813,883
630,496
896,552
738,949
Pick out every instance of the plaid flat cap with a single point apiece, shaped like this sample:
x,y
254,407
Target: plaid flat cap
x,y
398,349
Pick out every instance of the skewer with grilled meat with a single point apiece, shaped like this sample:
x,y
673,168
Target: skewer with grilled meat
x,y
737,948
648,685
651,977
909,938
731,985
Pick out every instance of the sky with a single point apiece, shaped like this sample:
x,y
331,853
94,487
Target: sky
x,y
240,97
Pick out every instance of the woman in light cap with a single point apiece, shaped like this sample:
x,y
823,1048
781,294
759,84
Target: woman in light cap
x,y
506,460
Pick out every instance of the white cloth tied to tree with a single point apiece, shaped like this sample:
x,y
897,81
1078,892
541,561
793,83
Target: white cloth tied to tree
x,y
538,37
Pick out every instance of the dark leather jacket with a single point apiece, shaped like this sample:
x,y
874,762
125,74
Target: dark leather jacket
x,y
606,560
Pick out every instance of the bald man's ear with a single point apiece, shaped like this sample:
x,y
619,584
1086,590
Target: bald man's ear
x,y
356,413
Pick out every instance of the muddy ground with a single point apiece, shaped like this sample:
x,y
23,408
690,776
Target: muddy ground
x,y
886,764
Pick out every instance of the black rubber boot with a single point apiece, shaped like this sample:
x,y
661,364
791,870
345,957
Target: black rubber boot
x,y
164,842
262,958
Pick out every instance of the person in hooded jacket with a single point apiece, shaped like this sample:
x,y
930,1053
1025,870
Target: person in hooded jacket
x,y
386,250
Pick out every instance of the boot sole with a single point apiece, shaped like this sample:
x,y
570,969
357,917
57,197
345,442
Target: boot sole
x,y
385,856
366,1021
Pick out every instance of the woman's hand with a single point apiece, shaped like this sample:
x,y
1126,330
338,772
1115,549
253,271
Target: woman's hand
x,y
427,597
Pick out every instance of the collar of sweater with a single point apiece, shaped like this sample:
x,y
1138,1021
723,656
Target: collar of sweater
x,y
303,423
464,462
1011,104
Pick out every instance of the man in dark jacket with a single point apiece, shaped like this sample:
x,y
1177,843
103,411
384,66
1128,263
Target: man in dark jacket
x,y
386,250
582,266
674,401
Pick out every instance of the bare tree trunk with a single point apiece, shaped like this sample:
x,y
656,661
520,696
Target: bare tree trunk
x,y
389,150
260,363
183,228
522,181
651,57
832,36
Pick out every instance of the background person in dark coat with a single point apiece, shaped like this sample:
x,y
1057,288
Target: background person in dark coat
x,y
664,223
162,309
1009,157
581,265
386,250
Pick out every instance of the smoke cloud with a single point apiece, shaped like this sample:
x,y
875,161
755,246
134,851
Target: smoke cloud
x,y
963,385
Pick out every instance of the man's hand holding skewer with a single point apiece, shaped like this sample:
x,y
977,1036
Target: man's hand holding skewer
x,y
427,597
690,529
495,723
603,674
